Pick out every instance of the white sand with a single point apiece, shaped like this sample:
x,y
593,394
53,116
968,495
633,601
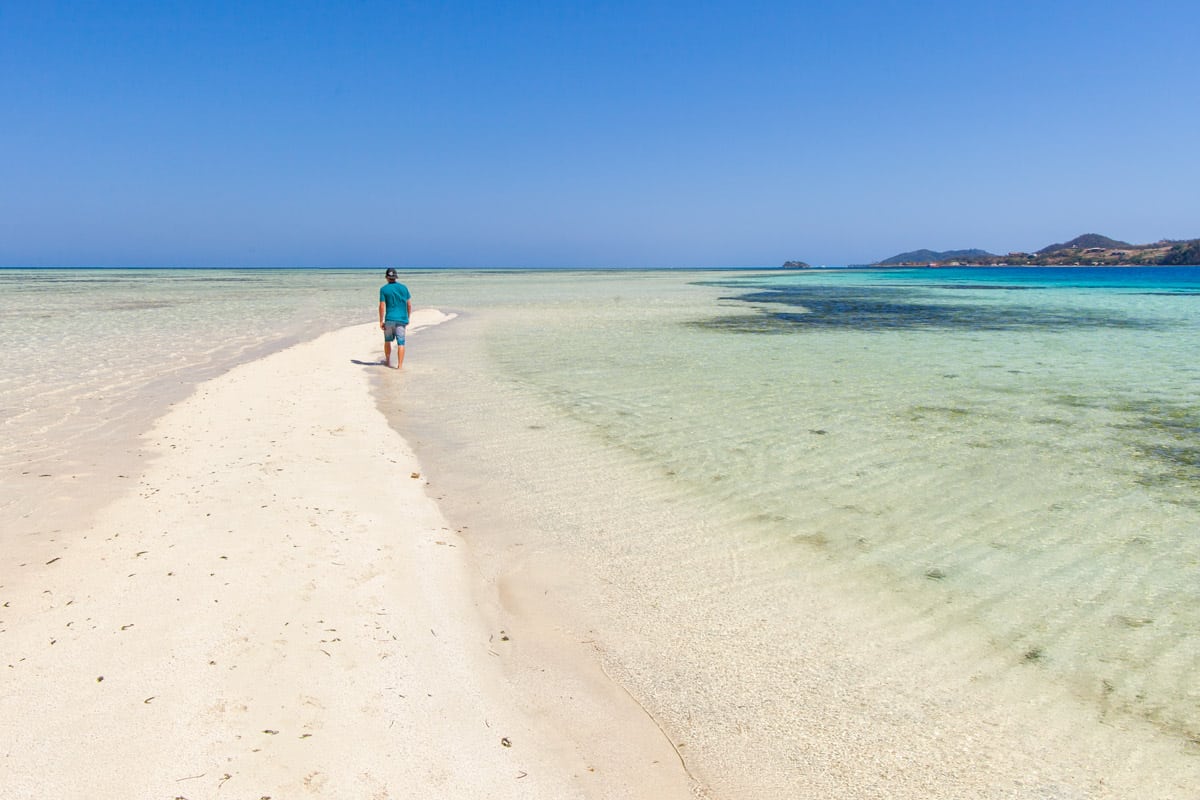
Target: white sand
x,y
280,610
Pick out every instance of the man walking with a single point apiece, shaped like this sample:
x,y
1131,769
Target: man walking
x,y
395,304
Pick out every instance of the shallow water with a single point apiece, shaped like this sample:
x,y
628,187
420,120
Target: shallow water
x,y
89,358
1009,457
1012,455
1029,447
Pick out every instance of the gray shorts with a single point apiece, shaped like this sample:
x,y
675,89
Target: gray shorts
x,y
394,330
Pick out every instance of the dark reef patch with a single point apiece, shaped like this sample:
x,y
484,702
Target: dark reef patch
x,y
1162,436
1166,435
885,309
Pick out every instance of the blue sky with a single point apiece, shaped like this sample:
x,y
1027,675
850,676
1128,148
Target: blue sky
x,y
364,133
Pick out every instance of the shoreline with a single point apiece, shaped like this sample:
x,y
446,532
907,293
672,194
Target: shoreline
x,y
836,688
279,608
88,473
413,627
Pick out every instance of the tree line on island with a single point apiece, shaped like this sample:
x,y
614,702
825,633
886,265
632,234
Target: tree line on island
x,y
1090,249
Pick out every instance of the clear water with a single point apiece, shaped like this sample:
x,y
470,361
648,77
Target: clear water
x,y
1009,454
88,359
1025,443
1005,456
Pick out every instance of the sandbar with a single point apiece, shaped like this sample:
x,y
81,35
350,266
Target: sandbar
x,y
278,608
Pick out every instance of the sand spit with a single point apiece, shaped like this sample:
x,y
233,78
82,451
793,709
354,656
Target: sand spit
x,y
280,610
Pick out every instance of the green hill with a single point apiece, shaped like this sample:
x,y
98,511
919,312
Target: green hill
x,y
1183,254
1090,249
932,256
1085,242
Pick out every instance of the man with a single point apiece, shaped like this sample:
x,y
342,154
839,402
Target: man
x,y
395,304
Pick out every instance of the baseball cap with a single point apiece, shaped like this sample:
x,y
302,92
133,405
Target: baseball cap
x,y
391,273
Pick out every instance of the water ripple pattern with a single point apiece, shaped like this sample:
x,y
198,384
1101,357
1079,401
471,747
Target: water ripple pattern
x,y
1013,453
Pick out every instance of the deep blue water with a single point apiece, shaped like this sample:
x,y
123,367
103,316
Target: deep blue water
x,y
1156,279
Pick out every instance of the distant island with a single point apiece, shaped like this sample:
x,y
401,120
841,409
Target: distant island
x,y
794,265
1090,249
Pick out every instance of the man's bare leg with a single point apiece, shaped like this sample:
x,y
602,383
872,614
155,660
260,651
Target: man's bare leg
x,y
399,356
387,353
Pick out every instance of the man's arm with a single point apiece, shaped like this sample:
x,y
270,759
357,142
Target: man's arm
x,y
382,312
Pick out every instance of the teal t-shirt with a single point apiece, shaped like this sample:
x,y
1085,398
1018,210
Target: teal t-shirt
x,y
396,296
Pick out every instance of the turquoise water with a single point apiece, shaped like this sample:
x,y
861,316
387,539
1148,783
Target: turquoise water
x,y
1171,280
1001,465
1026,441
1009,455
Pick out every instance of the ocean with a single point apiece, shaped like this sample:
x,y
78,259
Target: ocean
x,y
967,466
983,475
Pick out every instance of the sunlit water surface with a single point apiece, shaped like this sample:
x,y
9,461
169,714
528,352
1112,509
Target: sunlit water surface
x,y
1014,453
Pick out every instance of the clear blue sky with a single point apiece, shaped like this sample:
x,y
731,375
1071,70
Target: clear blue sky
x,y
365,133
